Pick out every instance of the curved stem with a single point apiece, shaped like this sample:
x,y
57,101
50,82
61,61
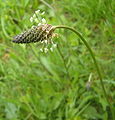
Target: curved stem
x,y
93,57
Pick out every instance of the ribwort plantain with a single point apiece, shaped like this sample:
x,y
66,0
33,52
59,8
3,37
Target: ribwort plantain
x,y
35,34
44,32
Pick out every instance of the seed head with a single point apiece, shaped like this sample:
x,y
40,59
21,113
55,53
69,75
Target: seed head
x,y
35,34
42,32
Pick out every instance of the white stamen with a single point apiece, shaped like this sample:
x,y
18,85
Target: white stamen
x,y
33,26
41,49
47,32
31,19
36,20
45,41
34,16
39,24
54,45
42,41
37,12
42,13
43,21
45,50
51,49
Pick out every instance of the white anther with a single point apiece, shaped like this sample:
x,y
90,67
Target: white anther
x,y
37,12
42,41
36,20
47,32
34,16
45,50
46,41
39,24
51,49
31,19
42,13
33,26
43,21
41,49
54,45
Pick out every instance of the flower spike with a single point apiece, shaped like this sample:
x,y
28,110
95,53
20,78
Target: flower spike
x,y
35,34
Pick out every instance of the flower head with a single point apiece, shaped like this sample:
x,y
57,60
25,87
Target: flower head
x,y
35,34
41,32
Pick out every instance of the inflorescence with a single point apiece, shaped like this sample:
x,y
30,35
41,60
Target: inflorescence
x,y
42,32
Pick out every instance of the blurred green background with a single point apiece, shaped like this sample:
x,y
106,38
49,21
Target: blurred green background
x,y
54,86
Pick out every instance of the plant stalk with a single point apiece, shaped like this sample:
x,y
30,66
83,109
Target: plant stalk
x,y
94,60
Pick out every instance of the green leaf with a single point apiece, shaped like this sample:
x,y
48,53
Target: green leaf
x,y
10,111
91,113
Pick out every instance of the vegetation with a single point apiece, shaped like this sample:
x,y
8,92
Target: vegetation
x,y
63,84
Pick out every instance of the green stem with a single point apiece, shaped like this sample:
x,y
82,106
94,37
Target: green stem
x,y
36,55
63,62
93,57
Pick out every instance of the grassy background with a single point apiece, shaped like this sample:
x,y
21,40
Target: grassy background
x,y
54,86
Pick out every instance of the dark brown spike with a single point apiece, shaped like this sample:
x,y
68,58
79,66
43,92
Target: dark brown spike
x,y
35,34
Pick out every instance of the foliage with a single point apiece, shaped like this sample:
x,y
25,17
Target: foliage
x,y
54,86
